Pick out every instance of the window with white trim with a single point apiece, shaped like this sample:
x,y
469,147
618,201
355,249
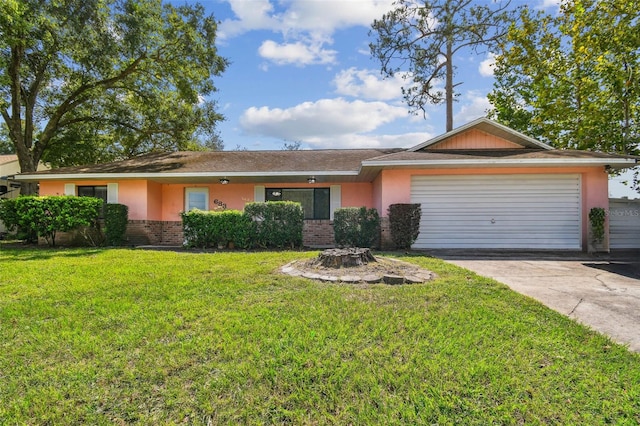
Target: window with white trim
x,y
315,201
196,198
95,191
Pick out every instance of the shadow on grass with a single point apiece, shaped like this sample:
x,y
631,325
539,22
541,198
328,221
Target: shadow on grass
x,y
31,252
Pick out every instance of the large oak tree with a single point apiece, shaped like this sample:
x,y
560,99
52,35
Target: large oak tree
x,y
422,39
93,80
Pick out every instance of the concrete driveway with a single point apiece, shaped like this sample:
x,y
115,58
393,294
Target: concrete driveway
x,y
601,291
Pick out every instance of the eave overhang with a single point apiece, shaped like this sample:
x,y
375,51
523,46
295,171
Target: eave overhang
x,y
615,164
203,177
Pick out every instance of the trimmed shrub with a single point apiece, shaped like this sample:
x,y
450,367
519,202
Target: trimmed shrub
x,y
404,221
205,229
116,218
46,216
356,227
276,224
9,216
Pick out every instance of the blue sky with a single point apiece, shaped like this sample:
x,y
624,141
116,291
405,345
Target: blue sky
x,y
301,71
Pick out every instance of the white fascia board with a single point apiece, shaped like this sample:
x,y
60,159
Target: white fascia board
x,y
615,163
113,176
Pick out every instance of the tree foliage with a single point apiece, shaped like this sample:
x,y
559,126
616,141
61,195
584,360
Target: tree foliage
x,y
95,80
573,79
421,38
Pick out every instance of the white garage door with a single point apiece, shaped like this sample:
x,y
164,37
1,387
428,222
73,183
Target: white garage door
x,y
498,211
624,223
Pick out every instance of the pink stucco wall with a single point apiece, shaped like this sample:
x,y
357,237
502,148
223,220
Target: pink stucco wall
x,y
52,188
235,196
133,193
155,201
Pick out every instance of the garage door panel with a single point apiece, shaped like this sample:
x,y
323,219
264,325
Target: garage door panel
x,y
624,223
498,211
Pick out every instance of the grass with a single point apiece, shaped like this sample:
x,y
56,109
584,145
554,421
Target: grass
x,y
143,337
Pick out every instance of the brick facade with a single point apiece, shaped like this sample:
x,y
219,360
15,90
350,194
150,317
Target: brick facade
x,y
155,232
386,243
318,233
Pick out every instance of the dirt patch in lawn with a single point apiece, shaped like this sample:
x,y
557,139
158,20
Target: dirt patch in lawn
x,y
383,270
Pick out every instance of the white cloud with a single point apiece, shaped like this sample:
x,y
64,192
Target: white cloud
x,y
328,15
252,15
369,84
354,140
297,53
475,106
548,4
306,25
327,122
299,16
486,66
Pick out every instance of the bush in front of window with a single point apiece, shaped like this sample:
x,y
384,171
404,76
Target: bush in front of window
x,y
205,229
116,218
404,223
276,224
356,227
46,216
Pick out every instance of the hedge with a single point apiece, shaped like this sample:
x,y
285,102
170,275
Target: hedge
x,y
356,227
276,224
116,217
46,216
404,222
206,229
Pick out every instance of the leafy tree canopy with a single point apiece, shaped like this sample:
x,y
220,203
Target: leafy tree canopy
x,y
573,79
94,80
421,39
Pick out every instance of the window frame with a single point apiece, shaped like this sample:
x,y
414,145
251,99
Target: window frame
x,y
196,190
268,196
104,199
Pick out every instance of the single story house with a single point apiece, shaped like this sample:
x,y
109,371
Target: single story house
x,y
481,185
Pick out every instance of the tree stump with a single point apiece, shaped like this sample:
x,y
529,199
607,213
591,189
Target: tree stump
x,y
345,258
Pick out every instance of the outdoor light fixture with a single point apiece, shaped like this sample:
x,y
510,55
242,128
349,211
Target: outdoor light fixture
x,y
311,180
276,193
224,181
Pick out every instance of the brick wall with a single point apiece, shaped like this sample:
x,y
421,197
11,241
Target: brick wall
x,y
386,243
155,232
315,233
318,233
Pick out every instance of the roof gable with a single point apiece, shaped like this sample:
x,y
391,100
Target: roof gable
x,y
481,134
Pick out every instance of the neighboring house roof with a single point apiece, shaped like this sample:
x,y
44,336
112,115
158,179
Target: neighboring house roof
x,y
506,148
9,158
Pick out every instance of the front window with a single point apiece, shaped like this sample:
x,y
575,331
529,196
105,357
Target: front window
x,y
196,198
314,201
93,191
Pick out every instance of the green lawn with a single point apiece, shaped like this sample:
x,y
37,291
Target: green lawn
x,y
128,336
